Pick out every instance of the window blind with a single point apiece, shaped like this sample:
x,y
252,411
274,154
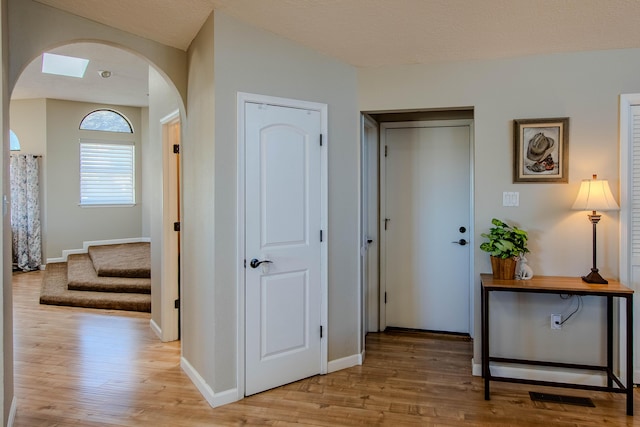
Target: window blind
x,y
635,181
107,175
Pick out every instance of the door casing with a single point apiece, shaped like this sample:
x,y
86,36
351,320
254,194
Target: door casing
x,y
369,208
170,249
244,98
627,101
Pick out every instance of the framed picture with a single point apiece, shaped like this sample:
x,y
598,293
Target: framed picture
x,y
541,150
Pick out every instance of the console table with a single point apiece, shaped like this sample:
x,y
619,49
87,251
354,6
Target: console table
x,y
570,286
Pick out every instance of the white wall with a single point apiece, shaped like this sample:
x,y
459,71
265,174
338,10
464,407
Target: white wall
x,y
582,86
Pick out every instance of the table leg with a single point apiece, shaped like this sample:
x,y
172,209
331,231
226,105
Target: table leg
x,y
609,341
484,295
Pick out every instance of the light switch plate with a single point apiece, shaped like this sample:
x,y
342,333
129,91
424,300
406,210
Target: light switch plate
x,y
510,198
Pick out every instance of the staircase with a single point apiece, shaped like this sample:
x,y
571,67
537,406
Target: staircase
x,y
116,277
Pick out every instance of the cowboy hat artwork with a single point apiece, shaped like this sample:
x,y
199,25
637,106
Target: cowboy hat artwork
x,y
539,151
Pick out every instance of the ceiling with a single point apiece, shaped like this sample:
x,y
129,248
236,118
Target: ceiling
x,y
363,33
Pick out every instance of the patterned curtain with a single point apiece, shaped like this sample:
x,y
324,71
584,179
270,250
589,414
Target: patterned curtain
x,y
25,212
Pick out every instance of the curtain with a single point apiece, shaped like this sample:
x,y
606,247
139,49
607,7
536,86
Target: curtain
x,y
25,212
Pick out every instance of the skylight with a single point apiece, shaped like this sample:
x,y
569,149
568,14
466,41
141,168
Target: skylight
x,y
63,65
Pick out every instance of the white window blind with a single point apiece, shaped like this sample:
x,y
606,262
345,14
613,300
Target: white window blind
x,y
107,175
635,181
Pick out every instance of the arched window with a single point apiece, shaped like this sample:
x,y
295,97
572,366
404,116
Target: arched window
x,y
107,121
14,143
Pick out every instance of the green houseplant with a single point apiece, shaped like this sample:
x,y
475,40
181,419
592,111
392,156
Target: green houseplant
x,y
506,243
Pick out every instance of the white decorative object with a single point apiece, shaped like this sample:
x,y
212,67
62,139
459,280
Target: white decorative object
x,y
523,272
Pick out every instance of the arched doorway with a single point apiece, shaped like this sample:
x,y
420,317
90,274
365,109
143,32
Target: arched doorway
x,y
142,93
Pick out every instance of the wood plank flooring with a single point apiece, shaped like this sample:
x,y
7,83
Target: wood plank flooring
x,y
85,367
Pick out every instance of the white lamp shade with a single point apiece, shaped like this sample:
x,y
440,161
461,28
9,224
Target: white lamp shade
x,y
595,195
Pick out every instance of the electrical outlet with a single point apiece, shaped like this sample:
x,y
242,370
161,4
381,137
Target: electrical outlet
x,y
556,321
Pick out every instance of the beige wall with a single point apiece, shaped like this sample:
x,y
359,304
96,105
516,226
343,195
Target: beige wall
x,y
240,58
29,122
6,355
36,28
28,119
582,86
255,61
200,291
163,100
68,224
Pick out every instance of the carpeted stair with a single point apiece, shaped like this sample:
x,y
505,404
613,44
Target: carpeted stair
x,y
115,277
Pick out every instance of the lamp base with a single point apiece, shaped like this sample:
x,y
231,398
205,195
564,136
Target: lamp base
x,y
594,277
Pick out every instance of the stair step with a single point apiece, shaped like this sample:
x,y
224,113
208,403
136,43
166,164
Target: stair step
x,y
82,276
122,259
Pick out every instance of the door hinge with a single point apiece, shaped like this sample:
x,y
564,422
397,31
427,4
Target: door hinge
x,y
320,140
320,235
386,221
176,148
176,226
176,304
245,263
385,297
386,150
320,331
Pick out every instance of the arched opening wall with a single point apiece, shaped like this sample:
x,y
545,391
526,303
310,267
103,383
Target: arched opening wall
x,y
29,29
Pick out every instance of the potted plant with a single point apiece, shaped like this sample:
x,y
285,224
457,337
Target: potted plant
x,y
506,243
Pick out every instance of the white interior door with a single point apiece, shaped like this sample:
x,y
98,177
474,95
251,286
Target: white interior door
x,y
426,211
283,295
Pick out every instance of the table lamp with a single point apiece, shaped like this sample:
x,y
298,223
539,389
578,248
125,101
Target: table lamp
x,y
595,195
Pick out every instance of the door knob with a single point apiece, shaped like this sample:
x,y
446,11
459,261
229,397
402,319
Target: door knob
x,y
255,262
461,242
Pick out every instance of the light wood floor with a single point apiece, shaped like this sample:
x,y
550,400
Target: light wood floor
x,y
81,367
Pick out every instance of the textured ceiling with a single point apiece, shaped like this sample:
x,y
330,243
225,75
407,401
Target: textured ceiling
x,y
368,33
171,22
364,33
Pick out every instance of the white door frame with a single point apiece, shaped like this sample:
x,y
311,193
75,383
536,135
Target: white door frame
x,y
369,284
381,234
244,98
169,246
626,102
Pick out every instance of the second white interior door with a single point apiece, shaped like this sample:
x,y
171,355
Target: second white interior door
x,y
283,248
427,209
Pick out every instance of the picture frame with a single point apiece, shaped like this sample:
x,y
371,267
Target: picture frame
x,y
541,150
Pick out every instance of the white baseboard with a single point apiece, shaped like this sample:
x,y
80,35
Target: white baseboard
x,y
214,399
345,362
225,397
156,329
12,412
85,247
560,375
